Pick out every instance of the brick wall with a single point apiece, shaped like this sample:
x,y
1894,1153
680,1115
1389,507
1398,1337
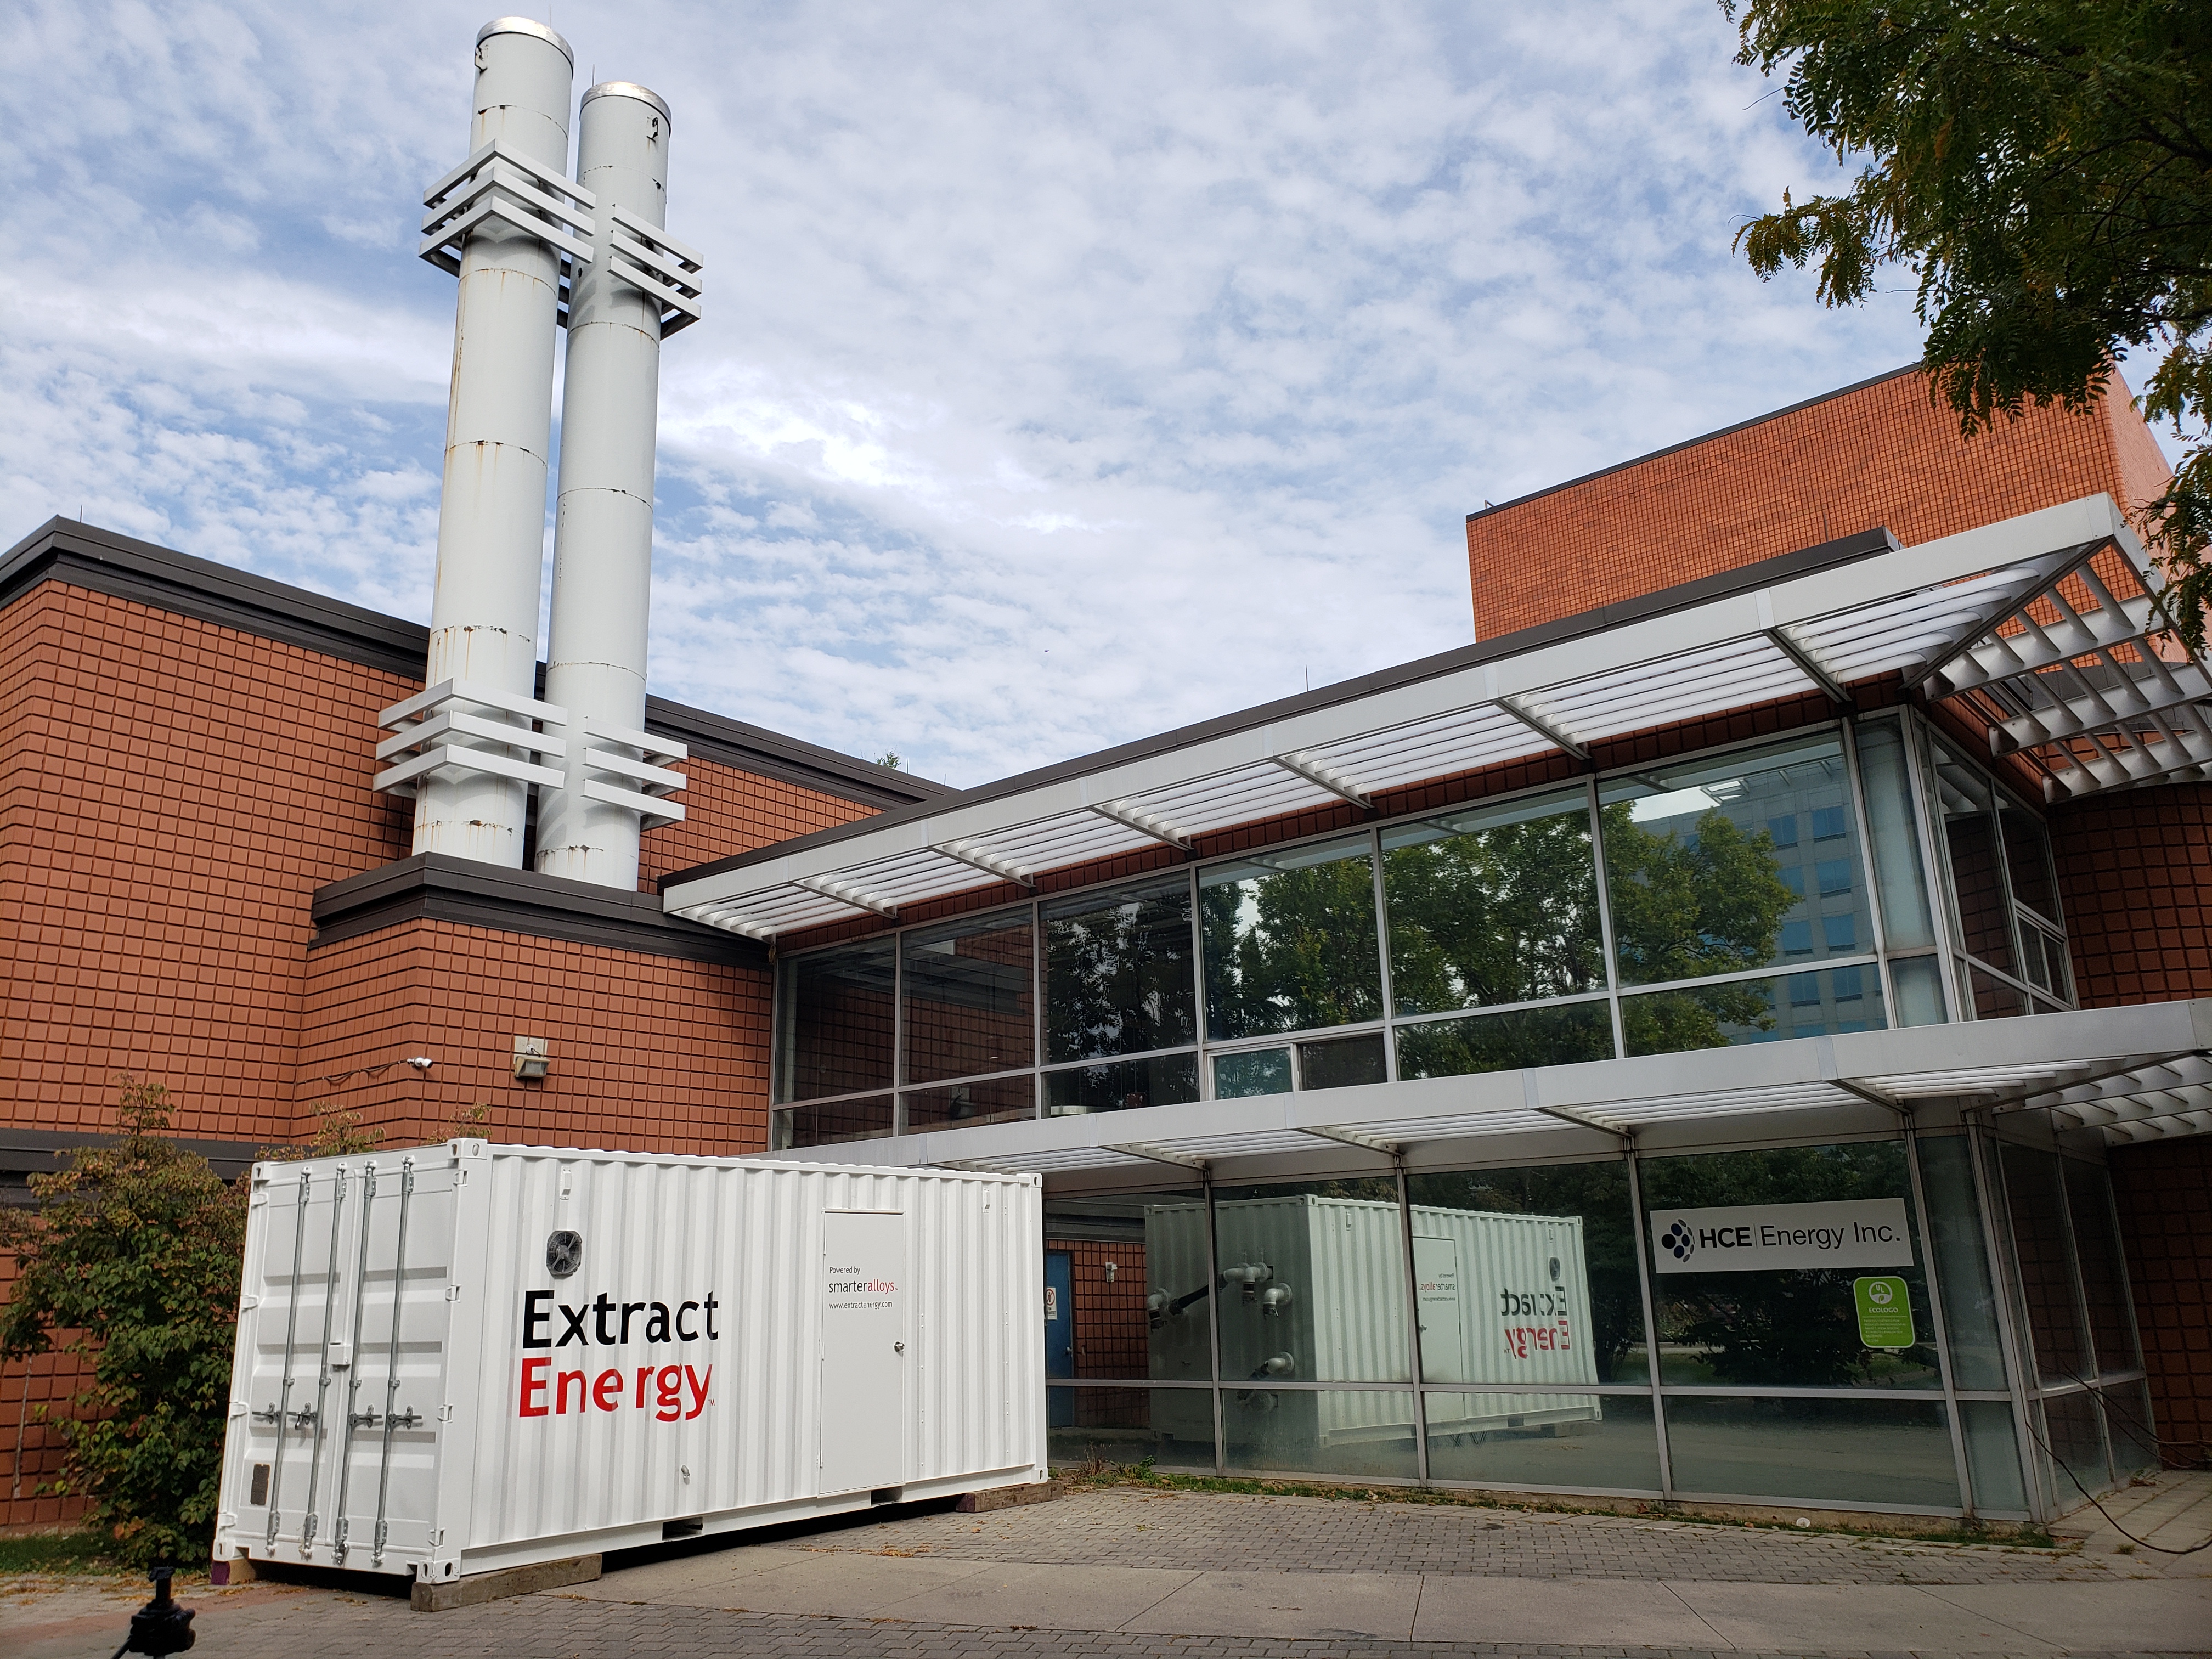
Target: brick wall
x,y
1874,454
2165,1195
649,1052
2134,873
1112,1331
726,811
172,792
44,1383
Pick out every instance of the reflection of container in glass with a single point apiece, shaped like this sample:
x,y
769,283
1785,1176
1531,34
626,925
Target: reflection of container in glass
x,y
1503,1299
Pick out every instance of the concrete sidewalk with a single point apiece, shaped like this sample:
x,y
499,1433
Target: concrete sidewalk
x,y
1130,1572
1722,1616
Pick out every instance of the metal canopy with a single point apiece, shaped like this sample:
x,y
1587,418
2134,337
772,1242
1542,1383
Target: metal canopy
x,y
2114,1075
2009,620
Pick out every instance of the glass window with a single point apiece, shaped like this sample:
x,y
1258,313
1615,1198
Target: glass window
x,y
1556,1035
1967,804
2104,1276
1340,1062
835,1007
2128,1424
1289,941
1693,870
1992,1457
1993,998
1344,1431
1119,977
1529,1275
2027,860
2043,963
1125,1291
1493,906
1962,1262
1743,1011
1587,1441
1261,1072
2074,1432
960,1105
1117,1085
969,995
1905,919
1919,982
827,1125
1724,1319
1313,1284
1170,1428
1844,1451
2038,1202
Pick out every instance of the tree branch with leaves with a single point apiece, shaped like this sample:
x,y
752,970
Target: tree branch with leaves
x,y
2044,168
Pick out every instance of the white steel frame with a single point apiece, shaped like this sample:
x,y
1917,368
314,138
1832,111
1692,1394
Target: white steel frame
x,y
1950,615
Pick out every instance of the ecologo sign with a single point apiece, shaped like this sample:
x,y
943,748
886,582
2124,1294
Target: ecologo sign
x,y
1746,1238
1885,1307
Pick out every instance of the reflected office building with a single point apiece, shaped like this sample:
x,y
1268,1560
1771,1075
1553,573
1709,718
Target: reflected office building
x,y
1676,1049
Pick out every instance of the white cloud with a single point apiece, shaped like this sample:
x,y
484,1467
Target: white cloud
x,y
1067,375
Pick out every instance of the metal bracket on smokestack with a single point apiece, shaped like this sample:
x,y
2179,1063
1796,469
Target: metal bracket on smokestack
x,y
501,185
431,728
657,264
638,785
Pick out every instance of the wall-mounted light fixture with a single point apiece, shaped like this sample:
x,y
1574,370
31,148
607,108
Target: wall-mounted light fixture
x,y
421,1062
530,1059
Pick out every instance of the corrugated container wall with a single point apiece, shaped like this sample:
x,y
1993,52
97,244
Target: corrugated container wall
x,y
595,1350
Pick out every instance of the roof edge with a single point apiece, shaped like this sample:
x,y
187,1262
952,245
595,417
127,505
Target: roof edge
x,y
106,561
1842,549
1691,443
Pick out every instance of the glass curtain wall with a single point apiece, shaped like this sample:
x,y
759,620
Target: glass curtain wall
x,y
2001,890
1562,1327
1757,894
2090,1411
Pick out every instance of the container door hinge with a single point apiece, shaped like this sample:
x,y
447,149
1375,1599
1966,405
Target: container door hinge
x,y
452,1293
445,1413
248,1304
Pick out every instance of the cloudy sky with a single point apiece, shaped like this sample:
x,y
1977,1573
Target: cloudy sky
x,y
1069,372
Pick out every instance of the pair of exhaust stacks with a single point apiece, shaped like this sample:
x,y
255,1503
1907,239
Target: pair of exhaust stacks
x,y
535,251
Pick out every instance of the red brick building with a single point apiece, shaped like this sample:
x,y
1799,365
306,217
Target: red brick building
x,y
201,888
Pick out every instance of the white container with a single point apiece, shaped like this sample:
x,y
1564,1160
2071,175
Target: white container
x,y
596,1350
1313,1290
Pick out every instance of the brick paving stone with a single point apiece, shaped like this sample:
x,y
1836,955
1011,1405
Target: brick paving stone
x,y
553,1626
1226,1533
1124,1526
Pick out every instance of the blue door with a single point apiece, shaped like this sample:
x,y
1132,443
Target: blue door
x,y
1058,1335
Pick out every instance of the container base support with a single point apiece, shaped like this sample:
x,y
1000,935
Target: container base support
x,y
502,1582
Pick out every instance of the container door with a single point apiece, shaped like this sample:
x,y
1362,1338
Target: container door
x,y
1443,1327
864,1342
1060,1335
334,1464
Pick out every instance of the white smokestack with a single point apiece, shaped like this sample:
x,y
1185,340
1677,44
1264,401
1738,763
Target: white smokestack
x,y
603,526
512,225
491,518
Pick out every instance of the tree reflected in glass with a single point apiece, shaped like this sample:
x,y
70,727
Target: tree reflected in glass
x,y
1290,942
1494,907
1118,971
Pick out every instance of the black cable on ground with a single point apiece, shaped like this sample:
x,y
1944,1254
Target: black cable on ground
x,y
2143,1543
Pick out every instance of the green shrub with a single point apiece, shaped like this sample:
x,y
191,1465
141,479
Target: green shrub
x,y
130,1261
